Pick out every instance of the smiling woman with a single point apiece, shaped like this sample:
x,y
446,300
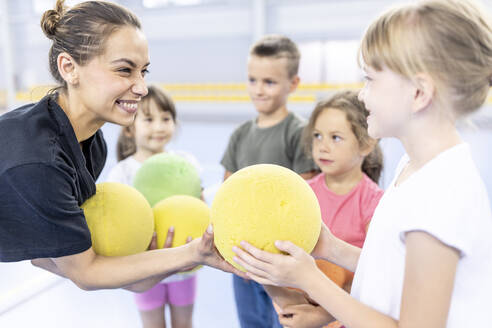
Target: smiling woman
x,y
53,151
111,85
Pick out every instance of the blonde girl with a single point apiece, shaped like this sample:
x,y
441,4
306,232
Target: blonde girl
x,y
426,261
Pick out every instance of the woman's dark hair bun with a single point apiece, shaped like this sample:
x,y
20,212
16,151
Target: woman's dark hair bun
x,y
51,18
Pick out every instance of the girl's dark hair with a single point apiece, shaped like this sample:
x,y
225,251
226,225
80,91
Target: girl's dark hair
x,y
82,30
126,141
356,113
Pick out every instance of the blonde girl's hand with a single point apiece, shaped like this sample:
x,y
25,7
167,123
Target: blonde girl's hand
x,y
292,269
207,254
304,316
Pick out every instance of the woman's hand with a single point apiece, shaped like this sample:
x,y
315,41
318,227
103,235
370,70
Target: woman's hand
x,y
293,269
191,267
168,244
207,253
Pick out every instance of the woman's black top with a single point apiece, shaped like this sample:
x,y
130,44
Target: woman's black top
x,y
45,175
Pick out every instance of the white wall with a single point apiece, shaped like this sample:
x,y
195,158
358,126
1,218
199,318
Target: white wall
x,y
207,43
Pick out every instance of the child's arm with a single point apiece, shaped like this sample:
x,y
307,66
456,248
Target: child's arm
x,y
284,297
304,316
91,271
296,310
430,268
335,250
309,175
227,174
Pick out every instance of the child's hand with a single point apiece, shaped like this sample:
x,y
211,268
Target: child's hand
x,y
325,243
304,316
207,254
291,270
153,242
169,238
168,243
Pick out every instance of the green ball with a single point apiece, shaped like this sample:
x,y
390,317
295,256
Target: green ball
x,y
164,175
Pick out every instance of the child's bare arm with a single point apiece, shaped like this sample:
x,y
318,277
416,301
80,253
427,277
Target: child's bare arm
x,y
227,174
309,175
335,250
305,316
284,296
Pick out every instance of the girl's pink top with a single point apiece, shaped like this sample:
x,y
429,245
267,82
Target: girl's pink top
x,y
347,215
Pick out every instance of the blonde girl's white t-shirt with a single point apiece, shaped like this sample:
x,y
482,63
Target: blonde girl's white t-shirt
x,y
125,171
446,199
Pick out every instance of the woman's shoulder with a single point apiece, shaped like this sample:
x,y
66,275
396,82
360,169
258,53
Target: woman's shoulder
x,y
28,134
27,120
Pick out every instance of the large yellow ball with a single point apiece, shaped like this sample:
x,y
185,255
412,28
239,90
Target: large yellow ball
x,y
120,220
188,215
261,204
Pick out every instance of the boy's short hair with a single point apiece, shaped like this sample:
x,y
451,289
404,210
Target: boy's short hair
x,y
278,46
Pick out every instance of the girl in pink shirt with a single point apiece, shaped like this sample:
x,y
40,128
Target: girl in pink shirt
x,y
351,162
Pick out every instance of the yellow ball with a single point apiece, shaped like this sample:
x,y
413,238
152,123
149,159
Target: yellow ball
x,y
261,204
188,215
120,220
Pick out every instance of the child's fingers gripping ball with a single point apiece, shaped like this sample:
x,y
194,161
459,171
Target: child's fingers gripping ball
x,y
188,215
164,175
120,220
261,204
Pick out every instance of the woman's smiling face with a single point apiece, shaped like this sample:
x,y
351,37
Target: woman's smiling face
x,y
111,85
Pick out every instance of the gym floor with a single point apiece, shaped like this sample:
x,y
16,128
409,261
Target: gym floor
x,y
32,297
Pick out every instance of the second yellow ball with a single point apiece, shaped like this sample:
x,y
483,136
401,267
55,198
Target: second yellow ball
x,y
188,215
